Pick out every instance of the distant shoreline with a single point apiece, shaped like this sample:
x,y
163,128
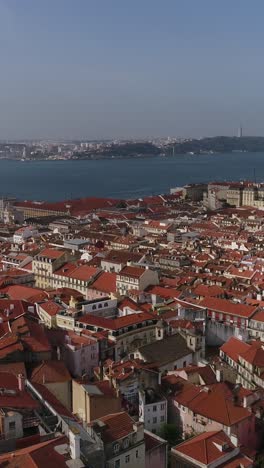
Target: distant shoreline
x,y
150,156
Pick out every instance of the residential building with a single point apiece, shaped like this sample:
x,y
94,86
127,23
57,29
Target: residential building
x,y
123,440
127,332
209,450
44,265
172,352
55,376
156,454
92,400
138,278
80,354
152,409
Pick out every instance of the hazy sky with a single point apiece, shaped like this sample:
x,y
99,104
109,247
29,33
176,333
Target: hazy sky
x,y
130,68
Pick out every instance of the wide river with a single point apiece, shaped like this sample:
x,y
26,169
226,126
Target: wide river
x,y
120,178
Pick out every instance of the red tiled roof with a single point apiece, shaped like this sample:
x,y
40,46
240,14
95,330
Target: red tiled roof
x,y
214,402
234,348
82,272
18,292
10,309
51,253
204,448
9,345
227,307
211,291
165,293
118,425
115,324
17,399
135,272
50,372
37,456
14,368
105,282
254,354
50,307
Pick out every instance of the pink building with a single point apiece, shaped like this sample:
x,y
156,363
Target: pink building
x,y
214,407
81,354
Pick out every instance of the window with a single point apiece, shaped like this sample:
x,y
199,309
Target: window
x,y
116,448
154,408
126,443
154,420
127,459
12,425
136,453
162,406
162,419
117,463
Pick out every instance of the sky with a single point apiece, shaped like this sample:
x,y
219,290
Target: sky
x,y
93,69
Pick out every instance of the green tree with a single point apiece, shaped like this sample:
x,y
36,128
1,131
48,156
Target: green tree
x,y
171,433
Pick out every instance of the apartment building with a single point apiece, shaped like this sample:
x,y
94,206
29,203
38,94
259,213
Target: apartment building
x,y
123,440
127,332
209,450
131,277
152,409
247,359
44,265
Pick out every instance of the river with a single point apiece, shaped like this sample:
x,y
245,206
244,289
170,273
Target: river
x,y
120,178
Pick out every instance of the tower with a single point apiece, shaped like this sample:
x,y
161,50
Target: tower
x,y
240,132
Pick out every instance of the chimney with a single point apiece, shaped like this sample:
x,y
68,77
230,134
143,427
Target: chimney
x,y
58,353
75,443
101,370
21,382
219,374
234,440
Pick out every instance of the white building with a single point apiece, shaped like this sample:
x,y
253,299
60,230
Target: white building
x,y
152,410
138,278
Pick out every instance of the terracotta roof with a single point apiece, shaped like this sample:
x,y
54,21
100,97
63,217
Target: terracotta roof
x,y
37,456
81,272
9,345
135,272
52,254
234,348
121,256
50,307
227,307
105,282
19,292
165,293
50,372
14,368
214,402
118,425
16,399
211,291
259,315
254,354
206,448
115,324
31,334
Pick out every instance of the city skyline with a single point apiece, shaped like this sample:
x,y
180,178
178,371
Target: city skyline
x,y
79,70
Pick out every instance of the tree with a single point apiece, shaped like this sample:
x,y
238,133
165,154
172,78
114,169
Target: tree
x,y
171,433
